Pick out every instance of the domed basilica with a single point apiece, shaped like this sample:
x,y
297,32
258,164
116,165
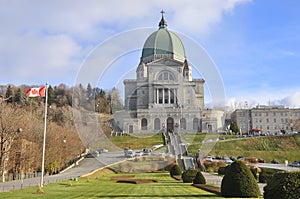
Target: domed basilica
x,y
164,96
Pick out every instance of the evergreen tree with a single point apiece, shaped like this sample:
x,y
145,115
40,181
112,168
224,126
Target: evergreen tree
x,y
51,95
234,127
89,92
9,94
18,97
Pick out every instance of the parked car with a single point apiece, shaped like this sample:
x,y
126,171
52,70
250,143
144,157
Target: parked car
x,y
92,154
233,158
129,153
240,158
260,160
102,150
208,159
218,157
146,153
168,155
227,160
294,164
138,153
275,161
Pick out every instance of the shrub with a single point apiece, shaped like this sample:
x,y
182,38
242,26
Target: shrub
x,y
169,167
239,182
199,178
222,170
213,166
189,175
283,185
266,175
254,173
175,170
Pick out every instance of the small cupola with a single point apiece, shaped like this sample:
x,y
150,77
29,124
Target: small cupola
x,y
162,23
141,71
187,71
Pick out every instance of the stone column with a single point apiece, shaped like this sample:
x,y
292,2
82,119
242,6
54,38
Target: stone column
x,y
163,97
169,96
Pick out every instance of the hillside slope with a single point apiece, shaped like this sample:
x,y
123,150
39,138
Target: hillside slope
x,y
282,148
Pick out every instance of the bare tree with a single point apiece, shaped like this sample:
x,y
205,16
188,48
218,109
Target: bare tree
x,y
9,131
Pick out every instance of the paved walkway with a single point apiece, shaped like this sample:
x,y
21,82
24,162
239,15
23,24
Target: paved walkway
x,y
86,166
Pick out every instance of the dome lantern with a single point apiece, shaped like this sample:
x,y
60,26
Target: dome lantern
x,y
162,23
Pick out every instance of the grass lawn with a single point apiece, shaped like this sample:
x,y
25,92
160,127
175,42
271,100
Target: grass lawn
x,y
137,143
103,185
277,147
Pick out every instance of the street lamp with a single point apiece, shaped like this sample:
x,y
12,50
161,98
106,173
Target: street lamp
x,y
7,139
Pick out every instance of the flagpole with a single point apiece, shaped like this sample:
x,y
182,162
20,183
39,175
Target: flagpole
x,y
44,139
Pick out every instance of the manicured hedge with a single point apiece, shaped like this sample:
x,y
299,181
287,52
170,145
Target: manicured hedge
x,y
175,170
283,185
239,182
266,175
199,178
189,175
222,170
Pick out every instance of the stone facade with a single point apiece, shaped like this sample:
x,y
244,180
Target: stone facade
x,y
272,119
164,95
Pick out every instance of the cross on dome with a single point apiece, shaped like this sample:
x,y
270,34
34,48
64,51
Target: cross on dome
x,y
162,23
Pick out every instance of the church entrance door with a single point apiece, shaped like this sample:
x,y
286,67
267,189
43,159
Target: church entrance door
x,y
170,124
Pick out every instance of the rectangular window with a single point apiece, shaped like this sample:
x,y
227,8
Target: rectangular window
x,y
160,96
166,96
172,101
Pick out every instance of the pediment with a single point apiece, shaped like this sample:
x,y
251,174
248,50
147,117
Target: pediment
x,y
167,62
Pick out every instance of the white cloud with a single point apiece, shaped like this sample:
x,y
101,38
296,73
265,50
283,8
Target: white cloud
x,y
292,101
199,17
33,58
54,36
287,97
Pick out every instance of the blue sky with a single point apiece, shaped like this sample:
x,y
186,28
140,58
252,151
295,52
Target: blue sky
x,y
254,44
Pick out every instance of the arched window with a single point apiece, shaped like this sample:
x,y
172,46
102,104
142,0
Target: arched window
x,y
144,124
196,124
166,76
157,124
182,124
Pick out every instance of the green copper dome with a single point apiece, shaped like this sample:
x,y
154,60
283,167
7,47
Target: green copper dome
x,y
163,43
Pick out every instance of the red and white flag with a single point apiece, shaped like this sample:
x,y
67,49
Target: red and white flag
x,y
36,92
